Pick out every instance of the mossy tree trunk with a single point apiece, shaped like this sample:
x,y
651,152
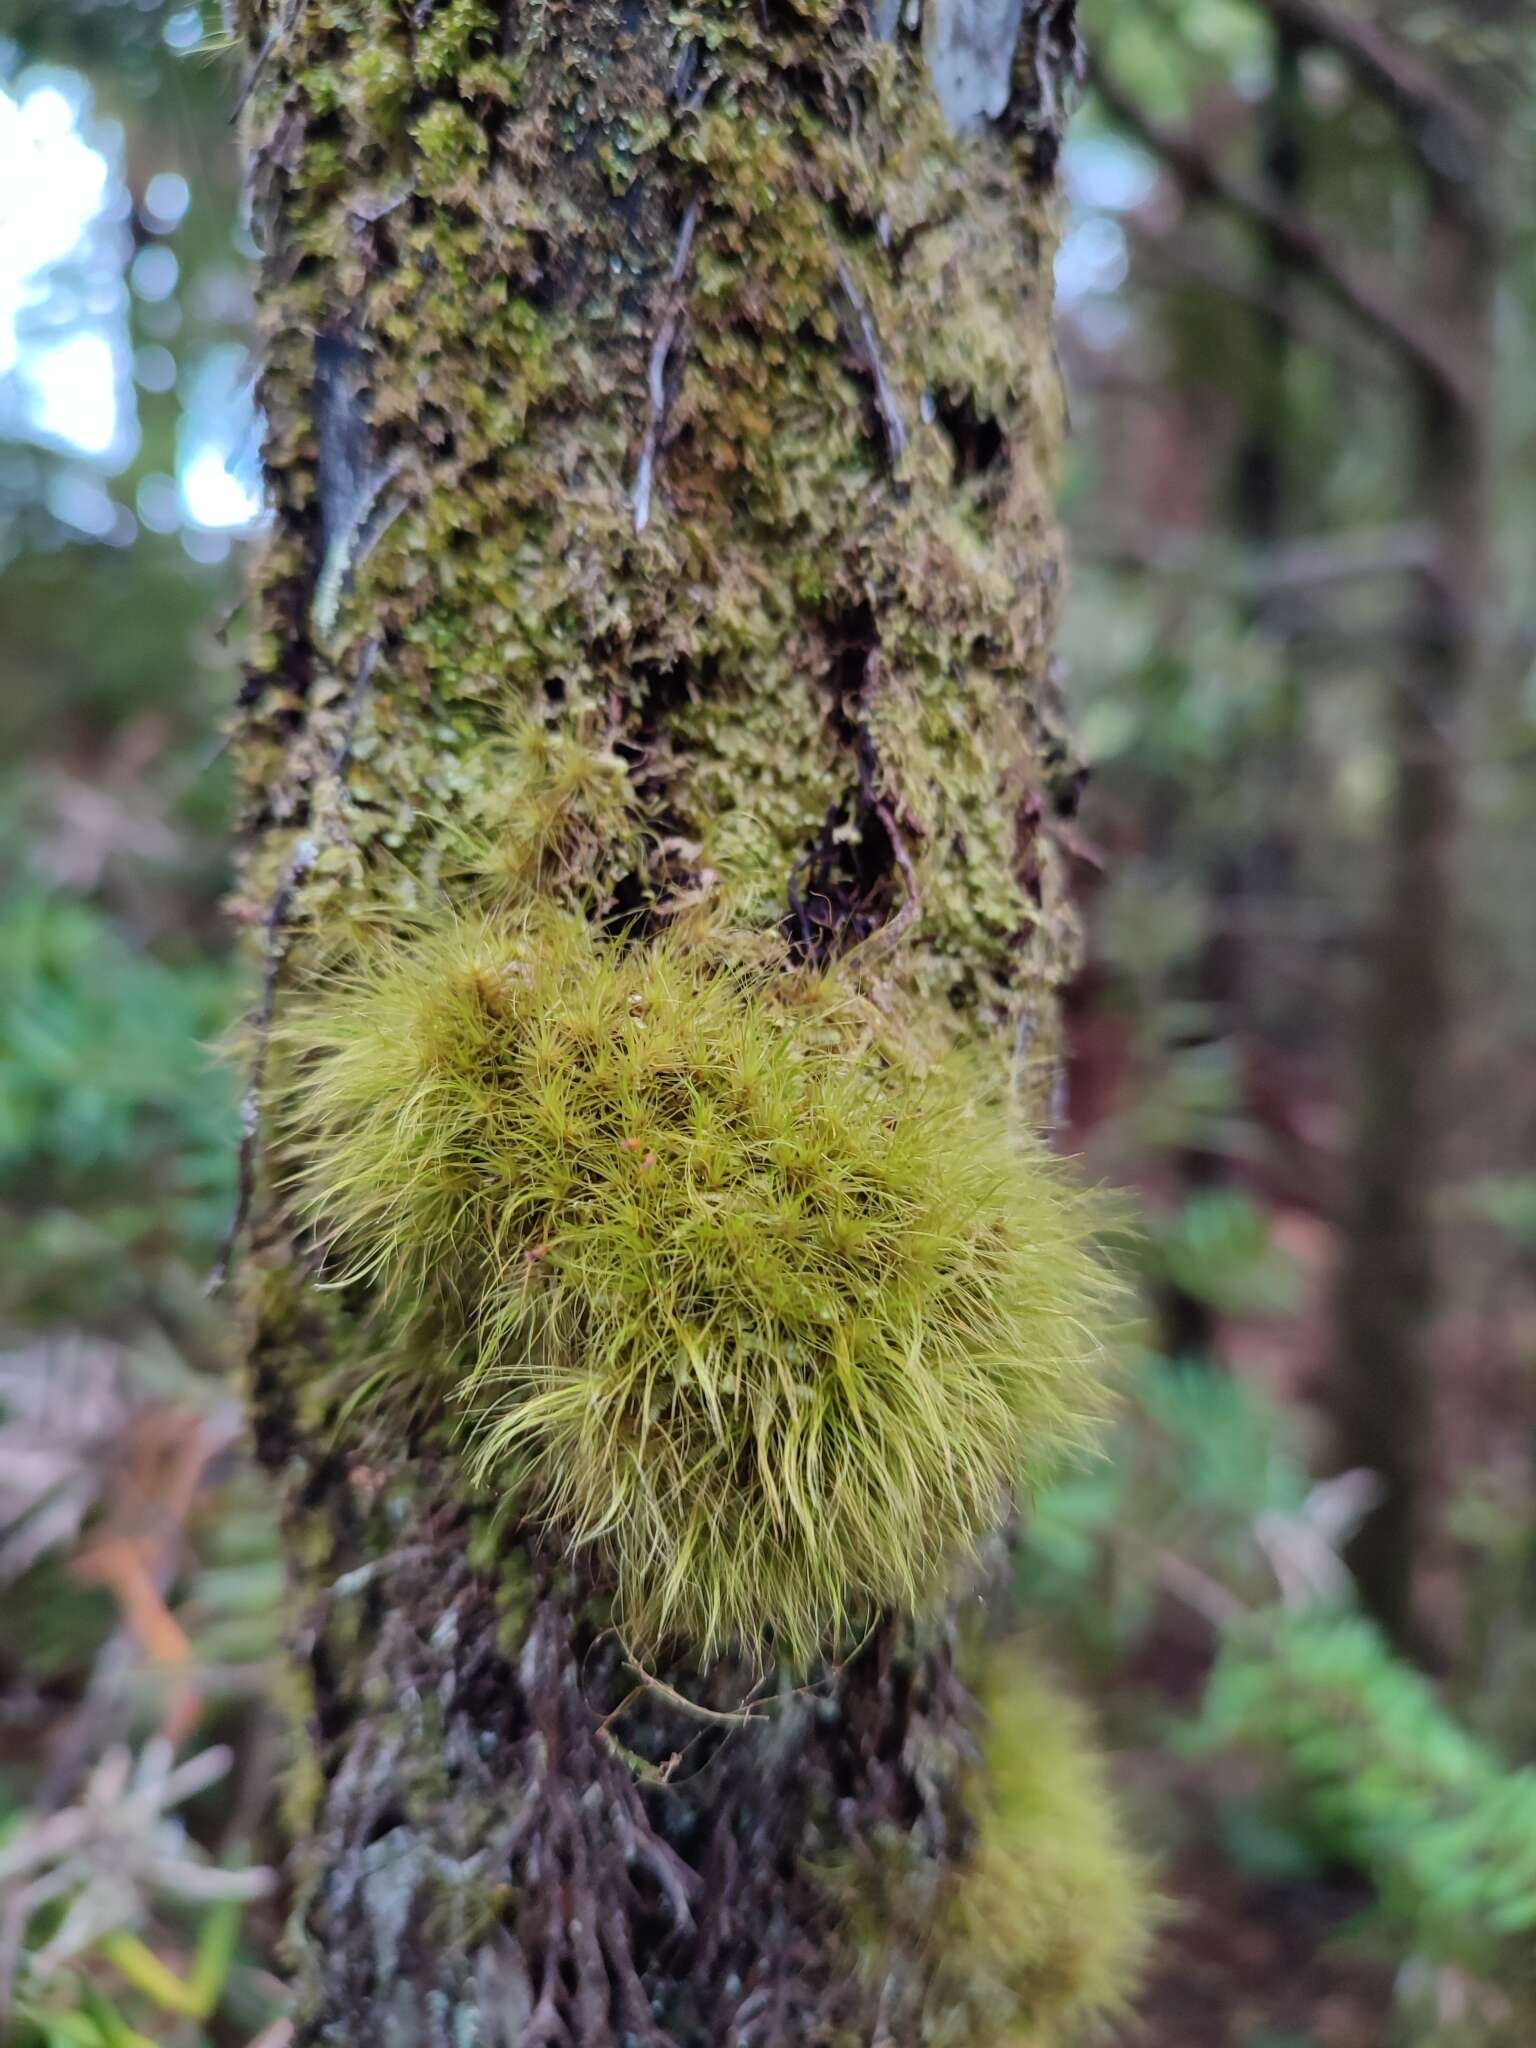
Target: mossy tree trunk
x,y
665,392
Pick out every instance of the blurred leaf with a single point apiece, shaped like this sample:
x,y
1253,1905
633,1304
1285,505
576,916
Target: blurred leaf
x,y
1508,1202
1384,1777
1217,1249
1260,1843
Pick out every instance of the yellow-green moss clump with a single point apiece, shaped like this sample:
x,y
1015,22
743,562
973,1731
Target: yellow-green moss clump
x,y
1045,1927
767,1326
553,813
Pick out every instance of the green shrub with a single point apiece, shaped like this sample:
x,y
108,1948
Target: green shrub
x,y
117,1122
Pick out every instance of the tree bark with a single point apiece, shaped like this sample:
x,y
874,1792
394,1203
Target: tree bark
x,y
1387,1293
678,382
1220,974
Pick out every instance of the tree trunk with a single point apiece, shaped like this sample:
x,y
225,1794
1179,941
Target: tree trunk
x,y
667,394
1189,1326
1384,1381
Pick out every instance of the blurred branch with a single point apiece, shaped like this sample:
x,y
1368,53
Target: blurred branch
x,y
1448,128
1185,262
1338,272
1298,566
1204,1595
1409,550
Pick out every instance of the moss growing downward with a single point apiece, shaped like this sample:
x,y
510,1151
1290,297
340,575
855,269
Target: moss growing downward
x,y
769,1327
1044,1928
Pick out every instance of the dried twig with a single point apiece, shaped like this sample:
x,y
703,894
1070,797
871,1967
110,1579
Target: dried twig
x,y
755,1706
734,1717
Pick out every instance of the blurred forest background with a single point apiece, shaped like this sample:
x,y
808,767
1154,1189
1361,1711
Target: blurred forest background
x,y
1297,290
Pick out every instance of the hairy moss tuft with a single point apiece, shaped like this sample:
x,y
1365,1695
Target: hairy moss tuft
x,y
766,1325
555,816
1045,1927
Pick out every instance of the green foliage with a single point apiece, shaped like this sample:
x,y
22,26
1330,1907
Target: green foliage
x,y
1168,51
1228,1451
117,1124
768,1327
100,1060
1047,1923
122,1993
1185,710
1508,1202
1387,1779
1217,1248
1195,1458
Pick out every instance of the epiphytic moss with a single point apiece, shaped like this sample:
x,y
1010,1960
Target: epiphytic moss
x,y
769,1327
1042,1928
855,278
552,813
518,261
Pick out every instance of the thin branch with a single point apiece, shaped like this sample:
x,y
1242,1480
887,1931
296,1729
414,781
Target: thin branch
x,y
1206,1596
1448,128
1312,564
1178,259
737,1717
1338,273
1410,550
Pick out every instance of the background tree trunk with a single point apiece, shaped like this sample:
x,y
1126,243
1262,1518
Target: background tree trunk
x,y
1189,1326
679,384
1387,1286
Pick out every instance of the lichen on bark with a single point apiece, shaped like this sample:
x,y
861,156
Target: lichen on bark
x,y
660,424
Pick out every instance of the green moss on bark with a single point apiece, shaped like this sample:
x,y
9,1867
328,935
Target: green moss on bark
x,y
851,526
660,421
1041,1928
